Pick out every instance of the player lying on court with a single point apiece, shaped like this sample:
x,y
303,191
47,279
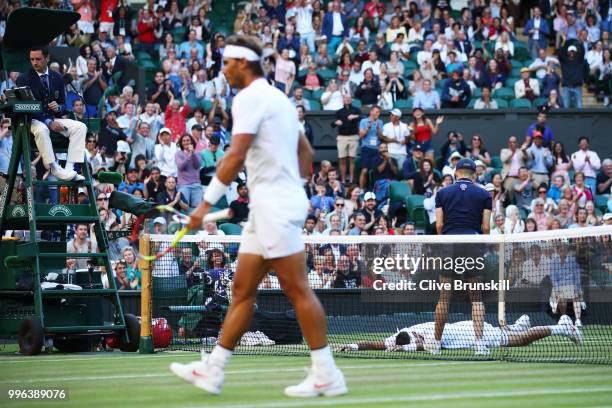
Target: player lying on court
x,y
461,335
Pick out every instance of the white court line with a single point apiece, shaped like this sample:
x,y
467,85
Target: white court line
x,y
416,398
247,371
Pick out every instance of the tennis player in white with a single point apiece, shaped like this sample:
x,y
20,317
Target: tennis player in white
x,y
265,139
461,335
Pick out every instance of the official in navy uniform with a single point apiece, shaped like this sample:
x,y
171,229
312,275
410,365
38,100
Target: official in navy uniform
x,y
463,208
48,87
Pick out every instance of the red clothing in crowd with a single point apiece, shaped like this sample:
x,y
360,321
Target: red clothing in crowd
x,y
106,10
177,121
146,32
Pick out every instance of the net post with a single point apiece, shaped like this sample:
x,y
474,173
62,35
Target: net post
x,y
146,340
501,305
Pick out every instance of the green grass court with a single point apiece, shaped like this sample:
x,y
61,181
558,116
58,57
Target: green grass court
x,y
132,380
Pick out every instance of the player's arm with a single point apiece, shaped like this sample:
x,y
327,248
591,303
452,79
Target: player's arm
x,y
305,155
440,220
486,222
227,170
365,345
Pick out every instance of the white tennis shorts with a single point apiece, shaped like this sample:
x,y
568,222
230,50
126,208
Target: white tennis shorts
x,y
273,231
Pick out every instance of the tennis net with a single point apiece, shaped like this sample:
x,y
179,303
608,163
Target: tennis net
x,y
374,287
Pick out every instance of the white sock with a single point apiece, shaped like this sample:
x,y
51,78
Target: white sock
x,y
69,166
322,359
220,356
557,329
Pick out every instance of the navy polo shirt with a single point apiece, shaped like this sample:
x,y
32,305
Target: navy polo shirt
x,y
463,204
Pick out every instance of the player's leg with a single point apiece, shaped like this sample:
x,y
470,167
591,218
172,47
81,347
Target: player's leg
x,y
478,310
325,379
293,279
563,328
441,316
577,312
207,374
250,272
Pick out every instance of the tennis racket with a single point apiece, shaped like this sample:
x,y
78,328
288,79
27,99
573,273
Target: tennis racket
x,y
184,220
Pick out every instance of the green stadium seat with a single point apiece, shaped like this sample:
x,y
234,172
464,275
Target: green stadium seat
x,y
516,64
230,228
93,125
539,102
476,94
516,72
307,93
143,56
398,191
440,163
206,105
601,203
511,81
504,93
327,74
316,95
315,105
178,34
357,103
472,103
414,201
222,203
496,162
501,103
404,103
409,67
420,217
493,172
521,52
520,103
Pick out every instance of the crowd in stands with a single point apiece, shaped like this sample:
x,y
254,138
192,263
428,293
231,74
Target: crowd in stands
x,y
358,59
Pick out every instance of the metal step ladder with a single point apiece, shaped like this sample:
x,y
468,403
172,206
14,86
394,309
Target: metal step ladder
x,y
60,313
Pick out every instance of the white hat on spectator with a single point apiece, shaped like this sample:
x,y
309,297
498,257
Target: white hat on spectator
x,y
479,163
123,146
572,48
82,190
489,186
369,196
215,246
456,155
159,220
164,129
607,216
396,112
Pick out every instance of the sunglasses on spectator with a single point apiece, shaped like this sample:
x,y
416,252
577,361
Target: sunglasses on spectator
x,y
543,192
102,199
339,204
91,141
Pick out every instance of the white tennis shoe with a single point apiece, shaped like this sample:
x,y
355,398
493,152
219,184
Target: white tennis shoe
x,y
570,331
204,376
319,385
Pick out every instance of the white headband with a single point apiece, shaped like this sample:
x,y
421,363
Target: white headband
x,y
240,52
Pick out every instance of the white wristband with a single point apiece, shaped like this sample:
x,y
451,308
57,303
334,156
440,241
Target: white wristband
x,y
354,346
214,191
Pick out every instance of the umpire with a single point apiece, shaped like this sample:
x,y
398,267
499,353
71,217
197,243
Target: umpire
x,y
462,208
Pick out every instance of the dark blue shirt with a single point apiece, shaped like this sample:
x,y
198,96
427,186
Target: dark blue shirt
x,y
463,204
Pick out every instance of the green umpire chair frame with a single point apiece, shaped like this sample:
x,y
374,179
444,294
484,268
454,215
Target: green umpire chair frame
x,y
70,319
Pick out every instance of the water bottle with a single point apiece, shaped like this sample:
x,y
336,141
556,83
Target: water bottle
x,y
64,195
